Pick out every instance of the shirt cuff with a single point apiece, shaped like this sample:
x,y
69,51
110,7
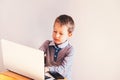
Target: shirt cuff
x,y
51,68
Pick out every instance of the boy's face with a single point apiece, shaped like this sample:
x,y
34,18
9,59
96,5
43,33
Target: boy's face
x,y
60,33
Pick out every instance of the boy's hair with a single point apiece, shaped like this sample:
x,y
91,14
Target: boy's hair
x,y
66,20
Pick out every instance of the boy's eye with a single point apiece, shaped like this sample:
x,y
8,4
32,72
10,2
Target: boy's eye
x,y
61,33
55,31
58,33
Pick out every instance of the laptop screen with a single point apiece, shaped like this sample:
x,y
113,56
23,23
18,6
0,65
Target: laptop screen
x,y
23,60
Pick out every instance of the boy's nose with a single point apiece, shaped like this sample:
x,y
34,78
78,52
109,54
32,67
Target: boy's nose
x,y
57,35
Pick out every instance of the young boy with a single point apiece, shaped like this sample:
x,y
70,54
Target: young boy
x,y
58,52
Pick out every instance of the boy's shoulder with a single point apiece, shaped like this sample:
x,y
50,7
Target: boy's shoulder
x,y
48,41
45,45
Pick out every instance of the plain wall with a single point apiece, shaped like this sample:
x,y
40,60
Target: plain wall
x,y
96,38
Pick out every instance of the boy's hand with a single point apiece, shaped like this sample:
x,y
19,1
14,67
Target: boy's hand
x,y
46,69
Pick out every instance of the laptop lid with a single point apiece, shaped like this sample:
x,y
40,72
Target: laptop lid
x,y
23,60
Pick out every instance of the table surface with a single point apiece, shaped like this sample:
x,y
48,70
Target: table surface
x,y
9,75
13,76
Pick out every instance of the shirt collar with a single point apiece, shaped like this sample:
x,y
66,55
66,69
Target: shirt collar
x,y
60,45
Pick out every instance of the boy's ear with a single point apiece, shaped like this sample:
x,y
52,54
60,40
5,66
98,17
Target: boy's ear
x,y
70,34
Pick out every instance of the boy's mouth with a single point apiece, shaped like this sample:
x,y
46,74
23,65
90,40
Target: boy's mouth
x,y
56,40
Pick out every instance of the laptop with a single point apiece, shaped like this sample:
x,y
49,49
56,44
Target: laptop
x,y
23,60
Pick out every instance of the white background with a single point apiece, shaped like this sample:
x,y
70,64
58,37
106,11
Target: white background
x,y
96,38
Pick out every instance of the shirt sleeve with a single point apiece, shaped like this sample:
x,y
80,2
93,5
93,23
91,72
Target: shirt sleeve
x,y
65,68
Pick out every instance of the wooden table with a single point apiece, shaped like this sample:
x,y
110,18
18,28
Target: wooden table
x,y
9,75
